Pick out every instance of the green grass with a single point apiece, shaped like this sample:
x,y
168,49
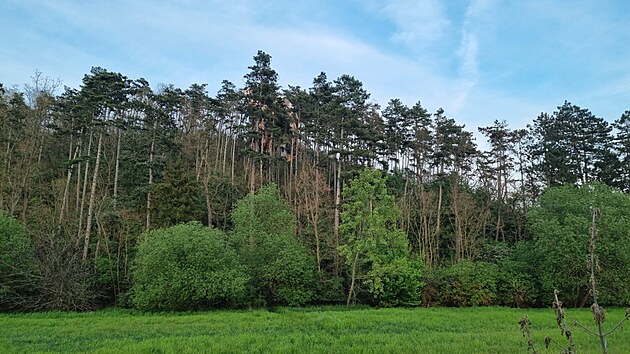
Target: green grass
x,y
314,330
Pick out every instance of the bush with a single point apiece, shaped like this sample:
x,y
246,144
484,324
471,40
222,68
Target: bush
x,y
515,286
518,280
17,265
516,272
396,283
187,267
463,284
330,290
280,266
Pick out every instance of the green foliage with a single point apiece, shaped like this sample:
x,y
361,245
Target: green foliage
x,y
517,284
187,267
280,266
223,196
463,284
174,156
396,283
330,290
17,264
494,252
560,226
572,146
177,199
375,248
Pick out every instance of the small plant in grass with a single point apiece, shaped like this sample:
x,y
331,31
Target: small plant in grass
x,y
599,314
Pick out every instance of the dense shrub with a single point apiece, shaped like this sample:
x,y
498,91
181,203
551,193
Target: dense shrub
x,y
515,286
17,265
396,283
330,290
516,273
187,267
280,266
466,283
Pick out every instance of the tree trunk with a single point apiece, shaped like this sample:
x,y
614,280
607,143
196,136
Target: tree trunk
x,y
64,201
458,222
88,227
84,191
225,147
117,168
500,205
233,158
78,187
151,156
206,189
353,279
436,237
337,214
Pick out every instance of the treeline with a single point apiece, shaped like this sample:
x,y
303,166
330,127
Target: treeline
x,y
92,171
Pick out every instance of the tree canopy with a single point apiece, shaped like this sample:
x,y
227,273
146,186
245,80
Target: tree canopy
x,y
368,202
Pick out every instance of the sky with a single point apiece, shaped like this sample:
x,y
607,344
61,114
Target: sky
x,y
479,60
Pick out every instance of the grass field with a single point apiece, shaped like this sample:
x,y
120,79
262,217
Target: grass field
x,y
309,330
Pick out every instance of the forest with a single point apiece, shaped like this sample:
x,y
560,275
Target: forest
x,y
119,194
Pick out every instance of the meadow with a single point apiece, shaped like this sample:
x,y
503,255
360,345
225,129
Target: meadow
x,y
304,330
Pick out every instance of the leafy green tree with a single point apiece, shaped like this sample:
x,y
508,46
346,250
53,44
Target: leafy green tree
x,y
319,130
517,283
157,138
375,249
17,265
318,119
187,267
103,97
280,266
560,227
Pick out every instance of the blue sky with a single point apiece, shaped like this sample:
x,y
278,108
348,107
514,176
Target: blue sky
x,y
480,60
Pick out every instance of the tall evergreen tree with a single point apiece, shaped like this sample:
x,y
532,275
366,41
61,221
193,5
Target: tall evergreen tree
x,y
572,146
622,148
268,119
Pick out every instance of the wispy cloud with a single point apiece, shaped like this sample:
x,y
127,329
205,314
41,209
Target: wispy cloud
x,y
468,52
417,22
